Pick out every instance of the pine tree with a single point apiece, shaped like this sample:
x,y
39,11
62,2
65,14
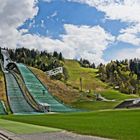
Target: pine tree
x,y
60,56
93,65
55,54
0,53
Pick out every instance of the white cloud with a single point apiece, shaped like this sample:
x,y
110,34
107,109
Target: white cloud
x,y
128,53
79,41
53,14
123,10
47,1
12,14
88,42
130,35
42,25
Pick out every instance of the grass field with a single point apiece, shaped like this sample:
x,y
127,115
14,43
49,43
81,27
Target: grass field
x,y
23,128
120,124
94,105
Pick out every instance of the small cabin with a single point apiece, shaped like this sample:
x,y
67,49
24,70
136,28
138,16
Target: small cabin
x,y
45,107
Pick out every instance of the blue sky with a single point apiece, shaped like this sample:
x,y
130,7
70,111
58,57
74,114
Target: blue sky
x,y
59,12
96,30
69,13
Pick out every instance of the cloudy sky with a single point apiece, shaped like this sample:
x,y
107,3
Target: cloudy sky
x,y
98,30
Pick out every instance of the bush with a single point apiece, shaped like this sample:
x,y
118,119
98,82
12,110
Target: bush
x,y
57,77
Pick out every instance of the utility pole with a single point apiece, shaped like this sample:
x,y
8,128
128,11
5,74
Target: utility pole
x,y
81,84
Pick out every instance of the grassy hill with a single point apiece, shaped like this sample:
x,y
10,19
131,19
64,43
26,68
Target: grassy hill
x,y
88,75
90,81
57,88
70,92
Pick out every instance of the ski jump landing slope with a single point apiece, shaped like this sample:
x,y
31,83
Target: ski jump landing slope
x,y
39,92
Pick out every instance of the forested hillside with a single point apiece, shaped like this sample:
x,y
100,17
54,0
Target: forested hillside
x,y
42,60
39,59
80,81
122,75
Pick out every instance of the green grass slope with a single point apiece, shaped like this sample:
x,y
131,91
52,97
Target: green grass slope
x,y
88,76
120,124
90,81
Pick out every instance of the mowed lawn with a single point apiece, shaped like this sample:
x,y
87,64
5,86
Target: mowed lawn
x,y
23,128
115,124
95,105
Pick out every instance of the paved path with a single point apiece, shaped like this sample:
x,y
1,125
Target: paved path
x,y
8,135
63,135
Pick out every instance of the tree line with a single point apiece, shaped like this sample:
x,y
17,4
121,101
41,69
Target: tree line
x,y
85,63
39,59
42,60
122,75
